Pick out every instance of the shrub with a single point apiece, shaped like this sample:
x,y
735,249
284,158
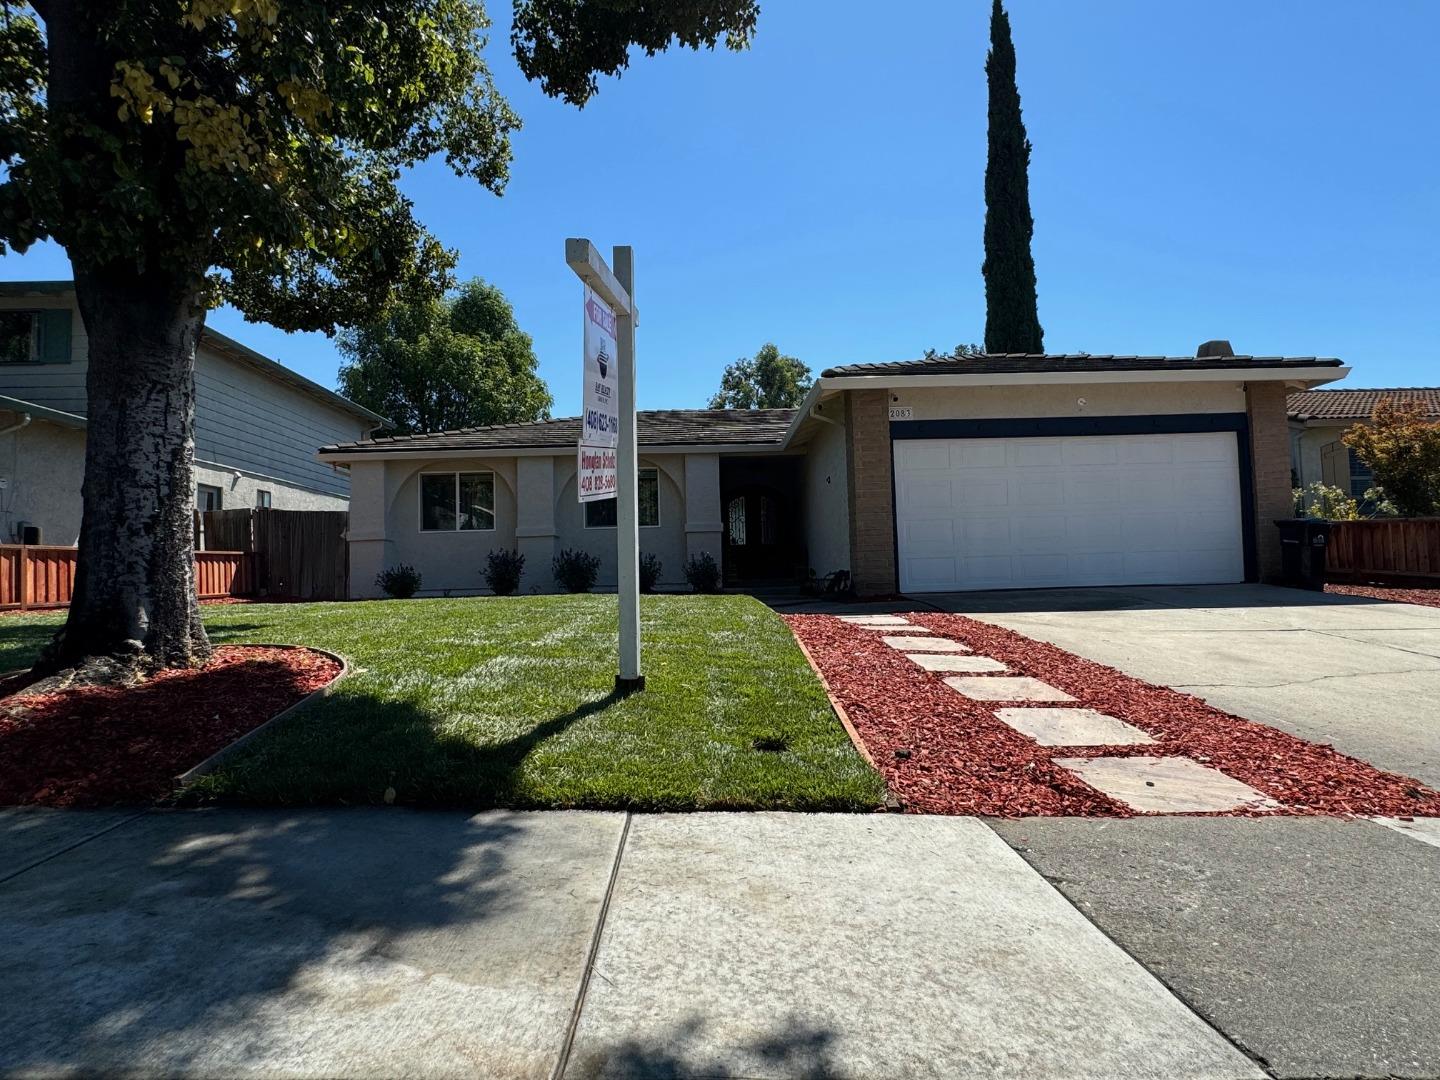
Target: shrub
x,y
401,581
1326,502
575,571
1402,448
502,571
703,573
650,567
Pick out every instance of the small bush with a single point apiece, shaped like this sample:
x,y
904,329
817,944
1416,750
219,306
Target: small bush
x,y
401,581
502,571
575,571
650,567
703,573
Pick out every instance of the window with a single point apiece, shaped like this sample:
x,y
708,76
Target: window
x,y
207,497
451,502
1361,478
35,337
262,499
601,513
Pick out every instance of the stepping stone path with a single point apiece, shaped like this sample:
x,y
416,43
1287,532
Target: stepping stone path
x,y
1006,688
954,662
1166,785
925,644
874,620
1072,727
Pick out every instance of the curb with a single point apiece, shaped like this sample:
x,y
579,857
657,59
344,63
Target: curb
x,y
892,803
215,760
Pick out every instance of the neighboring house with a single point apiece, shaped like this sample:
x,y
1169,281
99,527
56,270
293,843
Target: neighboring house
x,y
938,474
1318,419
257,423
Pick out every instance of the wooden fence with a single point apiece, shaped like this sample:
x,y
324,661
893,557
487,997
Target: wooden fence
x,y
299,554
43,576
1384,548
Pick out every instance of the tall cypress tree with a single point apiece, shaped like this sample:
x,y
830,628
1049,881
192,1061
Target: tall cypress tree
x,y
1012,321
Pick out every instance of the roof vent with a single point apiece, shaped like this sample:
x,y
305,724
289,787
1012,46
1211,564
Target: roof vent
x,y
1211,349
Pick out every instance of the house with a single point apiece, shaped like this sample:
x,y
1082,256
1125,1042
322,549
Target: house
x,y
257,423
1318,419
1000,471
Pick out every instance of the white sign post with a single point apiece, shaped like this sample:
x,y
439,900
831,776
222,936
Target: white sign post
x,y
608,460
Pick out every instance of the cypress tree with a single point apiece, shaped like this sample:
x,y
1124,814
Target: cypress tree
x,y
1012,320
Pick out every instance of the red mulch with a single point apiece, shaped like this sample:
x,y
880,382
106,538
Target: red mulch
x,y
1424,597
101,745
957,757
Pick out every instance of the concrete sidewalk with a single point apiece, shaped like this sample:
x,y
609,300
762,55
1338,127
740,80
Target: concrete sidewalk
x,y
388,942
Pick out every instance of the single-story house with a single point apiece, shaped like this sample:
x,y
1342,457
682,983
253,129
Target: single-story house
x,y
257,423
1318,419
998,471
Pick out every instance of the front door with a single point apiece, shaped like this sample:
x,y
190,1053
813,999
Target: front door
x,y
755,542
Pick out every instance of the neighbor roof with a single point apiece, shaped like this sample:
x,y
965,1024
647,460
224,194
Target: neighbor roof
x,y
656,427
224,344
1017,363
1358,404
41,412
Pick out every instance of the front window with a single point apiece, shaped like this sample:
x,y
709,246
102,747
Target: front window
x,y
457,502
262,499
17,337
207,497
601,513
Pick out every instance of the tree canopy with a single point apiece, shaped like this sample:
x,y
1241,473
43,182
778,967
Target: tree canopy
x,y
768,380
440,364
1012,320
1402,447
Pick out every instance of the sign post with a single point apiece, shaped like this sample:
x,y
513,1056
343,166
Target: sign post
x,y
607,465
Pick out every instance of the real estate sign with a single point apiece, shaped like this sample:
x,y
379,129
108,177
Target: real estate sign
x,y
600,404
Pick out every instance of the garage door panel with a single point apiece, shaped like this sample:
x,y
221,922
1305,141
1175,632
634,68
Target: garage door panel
x,y
1085,510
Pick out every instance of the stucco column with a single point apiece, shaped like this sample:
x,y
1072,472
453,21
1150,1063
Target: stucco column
x,y
1265,404
871,490
535,520
369,546
704,524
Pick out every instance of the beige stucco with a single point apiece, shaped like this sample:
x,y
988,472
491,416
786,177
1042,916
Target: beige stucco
x,y
1308,443
1094,399
827,505
43,466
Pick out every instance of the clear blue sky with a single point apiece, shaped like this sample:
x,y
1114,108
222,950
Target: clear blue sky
x,y
1267,173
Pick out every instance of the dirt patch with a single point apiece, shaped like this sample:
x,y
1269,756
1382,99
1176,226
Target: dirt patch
x,y
103,746
946,754
1423,597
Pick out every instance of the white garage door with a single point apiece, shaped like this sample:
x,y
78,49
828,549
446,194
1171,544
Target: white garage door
x,y
1090,510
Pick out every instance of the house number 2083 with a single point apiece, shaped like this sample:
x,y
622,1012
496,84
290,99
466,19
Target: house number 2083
x,y
899,412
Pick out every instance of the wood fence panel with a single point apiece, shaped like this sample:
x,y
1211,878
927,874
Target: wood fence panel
x,y
223,573
303,554
42,576
1385,548
227,530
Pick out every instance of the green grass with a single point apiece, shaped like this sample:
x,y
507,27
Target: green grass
x,y
507,702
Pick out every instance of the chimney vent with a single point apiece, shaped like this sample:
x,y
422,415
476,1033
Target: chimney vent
x,y
1210,349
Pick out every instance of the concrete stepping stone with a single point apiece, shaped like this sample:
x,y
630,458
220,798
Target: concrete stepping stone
x,y
1006,688
877,620
952,662
1072,727
924,644
1166,785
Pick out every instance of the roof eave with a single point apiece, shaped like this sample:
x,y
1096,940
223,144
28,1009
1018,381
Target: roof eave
x,y
344,455
1304,377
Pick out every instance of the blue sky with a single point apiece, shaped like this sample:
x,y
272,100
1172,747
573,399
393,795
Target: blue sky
x,y
1267,173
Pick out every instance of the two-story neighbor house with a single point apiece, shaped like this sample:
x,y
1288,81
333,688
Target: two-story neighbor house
x,y
931,475
257,423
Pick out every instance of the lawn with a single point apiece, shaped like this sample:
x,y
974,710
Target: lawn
x,y
507,702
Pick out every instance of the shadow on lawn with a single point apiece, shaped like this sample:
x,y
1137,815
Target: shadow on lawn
x,y
217,942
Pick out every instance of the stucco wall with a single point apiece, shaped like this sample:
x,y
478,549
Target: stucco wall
x,y
1100,399
238,491
667,540
827,506
1306,444
43,466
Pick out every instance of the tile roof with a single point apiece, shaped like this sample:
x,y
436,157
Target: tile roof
x,y
1018,363
1358,404
657,427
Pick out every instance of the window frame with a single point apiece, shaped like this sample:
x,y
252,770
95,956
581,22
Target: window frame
x,y
264,499
33,355
639,473
219,496
455,475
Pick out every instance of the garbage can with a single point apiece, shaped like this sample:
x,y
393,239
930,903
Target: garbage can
x,y
1303,543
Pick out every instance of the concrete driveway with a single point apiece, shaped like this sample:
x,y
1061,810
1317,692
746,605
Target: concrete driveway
x,y
1361,674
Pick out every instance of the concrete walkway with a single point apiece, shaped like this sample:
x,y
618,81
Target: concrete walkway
x,y
388,942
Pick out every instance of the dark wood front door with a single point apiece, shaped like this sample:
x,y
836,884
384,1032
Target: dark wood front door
x,y
757,546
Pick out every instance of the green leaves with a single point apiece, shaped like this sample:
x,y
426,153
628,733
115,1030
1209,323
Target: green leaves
x,y
768,381
436,364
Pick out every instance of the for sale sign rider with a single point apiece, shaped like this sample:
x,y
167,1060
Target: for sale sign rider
x,y
600,402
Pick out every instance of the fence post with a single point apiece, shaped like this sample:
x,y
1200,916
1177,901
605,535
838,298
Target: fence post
x,y
24,564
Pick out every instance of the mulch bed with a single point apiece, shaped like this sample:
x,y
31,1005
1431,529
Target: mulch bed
x,y
942,753
1423,597
103,746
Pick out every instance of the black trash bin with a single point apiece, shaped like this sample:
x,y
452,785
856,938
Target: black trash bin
x,y
1303,543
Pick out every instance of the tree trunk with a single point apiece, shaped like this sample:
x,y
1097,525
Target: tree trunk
x,y
134,598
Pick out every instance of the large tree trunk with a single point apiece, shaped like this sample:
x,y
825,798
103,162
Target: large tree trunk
x,y
134,600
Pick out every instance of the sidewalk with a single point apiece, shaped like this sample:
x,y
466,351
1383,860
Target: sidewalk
x,y
373,942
